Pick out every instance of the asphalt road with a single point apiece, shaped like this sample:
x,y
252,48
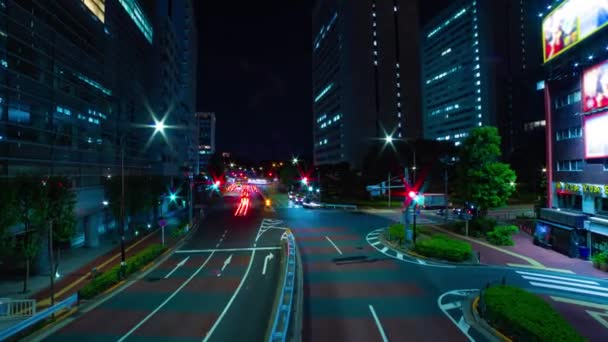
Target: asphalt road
x,y
214,288
357,291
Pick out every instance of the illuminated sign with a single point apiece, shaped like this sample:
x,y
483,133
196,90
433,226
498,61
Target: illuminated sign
x,y
570,23
596,137
595,87
596,190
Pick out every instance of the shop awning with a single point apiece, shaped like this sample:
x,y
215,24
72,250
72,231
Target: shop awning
x,y
558,225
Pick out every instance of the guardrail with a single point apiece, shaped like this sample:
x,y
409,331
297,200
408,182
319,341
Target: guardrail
x,y
339,206
283,312
16,308
28,322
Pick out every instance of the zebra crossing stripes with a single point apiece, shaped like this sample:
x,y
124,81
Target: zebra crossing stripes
x,y
451,304
568,284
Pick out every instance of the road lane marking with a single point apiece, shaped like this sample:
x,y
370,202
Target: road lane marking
x,y
600,317
180,264
599,288
266,260
333,244
451,305
558,287
384,250
247,249
371,308
463,325
421,262
166,300
399,255
557,277
462,293
580,302
543,268
238,289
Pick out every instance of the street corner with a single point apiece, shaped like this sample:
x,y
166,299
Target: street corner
x,y
375,240
589,318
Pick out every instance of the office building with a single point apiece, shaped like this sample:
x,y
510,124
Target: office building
x,y
76,91
576,113
206,139
365,76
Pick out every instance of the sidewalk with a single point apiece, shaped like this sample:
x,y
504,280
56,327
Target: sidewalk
x,y
525,254
76,266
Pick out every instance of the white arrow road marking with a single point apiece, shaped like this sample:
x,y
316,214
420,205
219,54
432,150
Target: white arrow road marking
x,y
180,264
228,260
336,247
266,260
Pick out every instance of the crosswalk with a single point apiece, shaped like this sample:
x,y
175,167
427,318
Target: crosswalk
x,y
568,284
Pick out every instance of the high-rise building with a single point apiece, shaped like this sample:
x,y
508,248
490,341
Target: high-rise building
x,y
206,139
576,112
365,76
77,89
175,88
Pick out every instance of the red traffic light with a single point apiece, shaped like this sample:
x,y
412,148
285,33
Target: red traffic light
x,y
412,194
217,183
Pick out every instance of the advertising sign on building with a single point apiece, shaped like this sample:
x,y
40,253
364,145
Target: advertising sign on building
x,y
596,137
570,23
595,87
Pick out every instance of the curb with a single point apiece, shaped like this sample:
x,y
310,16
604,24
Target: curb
x,y
277,295
297,317
390,245
471,315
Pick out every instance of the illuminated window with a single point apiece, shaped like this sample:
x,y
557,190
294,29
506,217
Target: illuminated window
x,y
97,7
4,63
323,92
95,84
139,18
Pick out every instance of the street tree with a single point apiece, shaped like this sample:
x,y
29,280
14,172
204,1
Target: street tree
x,y
481,177
289,175
58,212
8,217
30,193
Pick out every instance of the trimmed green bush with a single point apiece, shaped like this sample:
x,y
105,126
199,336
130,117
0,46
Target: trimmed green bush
x,y
501,235
523,316
396,233
481,225
111,277
444,248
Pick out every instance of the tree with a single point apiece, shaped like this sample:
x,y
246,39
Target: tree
x,y
8,217
481,177
58,212
289,175
30,193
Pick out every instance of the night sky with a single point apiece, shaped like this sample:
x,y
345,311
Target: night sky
x,y
255,74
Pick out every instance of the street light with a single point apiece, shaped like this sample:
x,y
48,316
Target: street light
x,y
105,203
389,139
294,161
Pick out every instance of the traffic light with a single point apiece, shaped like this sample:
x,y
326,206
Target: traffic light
x,y
304,180
413,195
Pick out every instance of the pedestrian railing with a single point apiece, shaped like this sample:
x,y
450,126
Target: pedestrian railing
x,y
16,308
282,316
339,206
37,317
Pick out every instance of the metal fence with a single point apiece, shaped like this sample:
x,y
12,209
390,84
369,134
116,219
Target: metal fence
x,y
283,312
16,308
32,320
339,206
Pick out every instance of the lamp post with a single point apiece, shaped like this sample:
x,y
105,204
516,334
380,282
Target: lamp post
x,y
447,161
123,262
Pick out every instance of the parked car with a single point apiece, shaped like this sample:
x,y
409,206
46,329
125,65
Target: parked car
x,y
298,199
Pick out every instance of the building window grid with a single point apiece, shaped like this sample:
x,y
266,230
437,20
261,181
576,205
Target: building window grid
x,y
569,133
570,165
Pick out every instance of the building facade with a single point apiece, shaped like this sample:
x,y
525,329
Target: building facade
x,y
365,74
75,92
205,123
576,113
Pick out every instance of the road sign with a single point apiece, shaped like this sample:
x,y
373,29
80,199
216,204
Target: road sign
x,y
162,222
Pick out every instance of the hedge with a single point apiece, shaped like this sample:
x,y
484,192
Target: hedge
x,y
501,235
523,316
396,233
442,247
111,277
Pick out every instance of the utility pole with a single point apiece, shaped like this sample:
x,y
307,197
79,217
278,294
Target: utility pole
x,y
123,262
415,167
52,261
406,217
190,210
389,189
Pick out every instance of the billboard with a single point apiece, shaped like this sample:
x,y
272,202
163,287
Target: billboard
x,y
595,87
596,139
571,22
